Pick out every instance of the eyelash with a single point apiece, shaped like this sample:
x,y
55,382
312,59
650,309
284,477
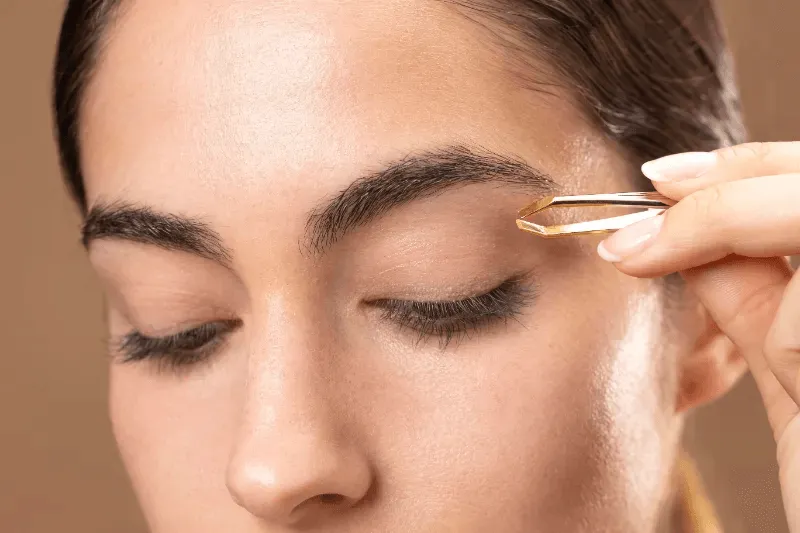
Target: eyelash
x,y
179,350
451,321
446,320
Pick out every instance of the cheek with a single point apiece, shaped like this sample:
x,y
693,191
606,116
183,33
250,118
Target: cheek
x,y
560,425
174,435
640,402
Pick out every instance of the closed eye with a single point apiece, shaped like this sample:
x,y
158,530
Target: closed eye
x,y
446,320
181,349
450,320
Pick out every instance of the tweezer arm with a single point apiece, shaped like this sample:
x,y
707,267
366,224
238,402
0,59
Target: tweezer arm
x,y
623,199
652,201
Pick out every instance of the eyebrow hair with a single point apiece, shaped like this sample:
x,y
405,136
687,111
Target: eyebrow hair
x,y
413,178
145,225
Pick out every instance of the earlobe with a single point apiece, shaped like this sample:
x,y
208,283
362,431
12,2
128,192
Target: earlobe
x,y
711,369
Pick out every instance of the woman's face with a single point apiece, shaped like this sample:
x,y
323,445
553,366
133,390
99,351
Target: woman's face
x,y
328,190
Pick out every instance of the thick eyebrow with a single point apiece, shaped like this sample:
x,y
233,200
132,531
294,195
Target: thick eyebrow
x,y
145,225
412,178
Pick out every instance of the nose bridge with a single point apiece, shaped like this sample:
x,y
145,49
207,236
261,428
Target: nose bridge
x,y
293,457
285,396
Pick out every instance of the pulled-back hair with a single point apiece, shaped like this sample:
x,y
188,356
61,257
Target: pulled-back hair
x,y
653,75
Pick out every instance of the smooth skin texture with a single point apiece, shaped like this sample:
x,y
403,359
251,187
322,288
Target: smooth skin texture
x,y
319,412
737,217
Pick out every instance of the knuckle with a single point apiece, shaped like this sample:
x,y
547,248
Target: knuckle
x,y
752,151
706,204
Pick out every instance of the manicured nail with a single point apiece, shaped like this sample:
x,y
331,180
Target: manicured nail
x,y
680,166
630,240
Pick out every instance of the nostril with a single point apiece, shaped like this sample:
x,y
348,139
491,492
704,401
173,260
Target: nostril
x,y
321,503
298,481
330,499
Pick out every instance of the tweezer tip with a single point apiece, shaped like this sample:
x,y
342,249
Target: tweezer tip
x,y
535,207
530,227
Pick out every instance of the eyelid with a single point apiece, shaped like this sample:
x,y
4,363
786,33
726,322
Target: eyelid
x,y
446,319
190,342
457,288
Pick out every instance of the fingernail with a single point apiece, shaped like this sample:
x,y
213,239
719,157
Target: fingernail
x,y
630,240
679,166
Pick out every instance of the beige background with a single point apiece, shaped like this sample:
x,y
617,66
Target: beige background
x,y
58,466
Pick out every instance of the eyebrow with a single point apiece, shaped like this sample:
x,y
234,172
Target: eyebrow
x,y
412,178
144,225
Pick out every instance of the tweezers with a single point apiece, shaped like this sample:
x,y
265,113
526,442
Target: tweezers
x,y
653,203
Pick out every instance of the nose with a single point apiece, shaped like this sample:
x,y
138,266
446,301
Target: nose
x,y
303,479
295,460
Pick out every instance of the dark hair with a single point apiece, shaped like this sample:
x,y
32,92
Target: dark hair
x,y
654,75
79,47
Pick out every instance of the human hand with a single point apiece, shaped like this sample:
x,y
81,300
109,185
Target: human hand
x,y
736,218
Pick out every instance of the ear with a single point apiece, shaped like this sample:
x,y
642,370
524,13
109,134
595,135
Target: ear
x,y
711,368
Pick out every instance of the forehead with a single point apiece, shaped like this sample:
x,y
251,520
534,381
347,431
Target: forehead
x,y
207,90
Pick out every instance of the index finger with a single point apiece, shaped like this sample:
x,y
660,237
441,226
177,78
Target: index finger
x,y
679,175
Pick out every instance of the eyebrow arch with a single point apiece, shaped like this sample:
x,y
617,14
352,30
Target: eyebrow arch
x,y
412,178
144,225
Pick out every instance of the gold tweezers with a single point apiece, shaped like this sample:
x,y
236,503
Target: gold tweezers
x,y
653,202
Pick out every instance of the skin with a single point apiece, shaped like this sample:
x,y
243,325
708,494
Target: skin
x,y
247,116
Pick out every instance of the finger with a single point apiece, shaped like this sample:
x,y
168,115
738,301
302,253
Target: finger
x,y
679,175
782,346
757,217
742,296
